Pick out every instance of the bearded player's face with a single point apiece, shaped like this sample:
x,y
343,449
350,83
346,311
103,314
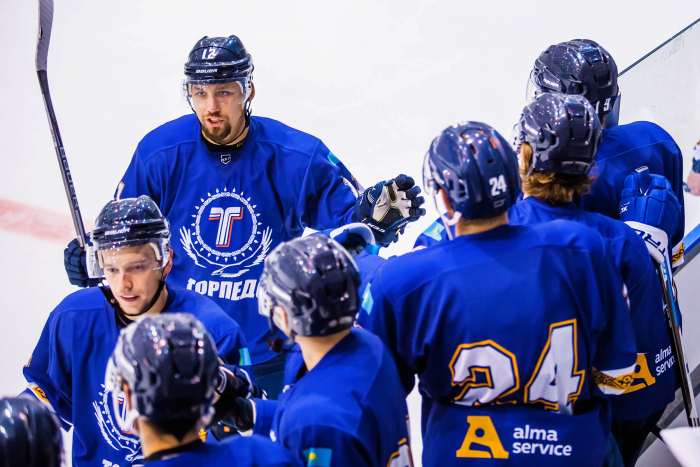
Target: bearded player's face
x,y
220,109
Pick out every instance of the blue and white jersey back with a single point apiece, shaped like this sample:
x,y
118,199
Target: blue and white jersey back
x,y
228,211
510,331
67,369
654,384
244,451
350,409
624,149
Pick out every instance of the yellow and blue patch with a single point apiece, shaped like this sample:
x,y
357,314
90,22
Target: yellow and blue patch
x,y
318,457
245,357
367,301
334,160
434,231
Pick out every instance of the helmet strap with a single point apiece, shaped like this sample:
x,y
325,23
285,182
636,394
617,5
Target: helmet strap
x,y
445,220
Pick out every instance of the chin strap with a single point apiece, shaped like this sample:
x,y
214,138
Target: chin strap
x,y
276,343
123,318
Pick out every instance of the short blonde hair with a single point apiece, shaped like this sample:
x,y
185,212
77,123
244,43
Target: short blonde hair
x,y
555,188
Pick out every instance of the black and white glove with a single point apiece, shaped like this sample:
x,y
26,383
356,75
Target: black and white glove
x,y
238,418
233,381
388,206
74,260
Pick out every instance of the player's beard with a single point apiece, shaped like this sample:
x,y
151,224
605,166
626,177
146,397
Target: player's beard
x,y
220,134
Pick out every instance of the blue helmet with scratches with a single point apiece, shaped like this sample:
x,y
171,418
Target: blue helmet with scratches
x,y
564,132
477,169
169,363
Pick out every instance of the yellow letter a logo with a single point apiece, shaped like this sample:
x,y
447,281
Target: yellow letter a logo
x,y
481,431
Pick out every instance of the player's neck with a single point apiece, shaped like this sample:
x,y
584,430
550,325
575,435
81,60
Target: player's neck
x,y
465,227
152,442
313,349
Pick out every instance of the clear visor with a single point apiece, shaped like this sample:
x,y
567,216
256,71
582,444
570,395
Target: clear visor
x,y
516,140
429,183
115,261
214,95
114,382
533,90
541,82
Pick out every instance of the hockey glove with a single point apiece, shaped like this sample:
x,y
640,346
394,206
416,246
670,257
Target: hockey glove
x,y
74,262
651,208
388,206
238,418
232,382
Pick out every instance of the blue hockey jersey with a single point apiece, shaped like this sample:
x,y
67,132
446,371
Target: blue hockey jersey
x,y
500,324
624,149
349,410
244,451
67,369
228,211
654,384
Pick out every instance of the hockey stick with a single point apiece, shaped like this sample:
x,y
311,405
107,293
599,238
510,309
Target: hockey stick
x,y
677,343
42,53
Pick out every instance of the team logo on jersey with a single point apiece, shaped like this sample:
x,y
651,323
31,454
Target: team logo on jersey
x,y
225,158
226,234
124,441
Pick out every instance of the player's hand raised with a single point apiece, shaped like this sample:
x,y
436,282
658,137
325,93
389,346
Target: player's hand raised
x,y
388,206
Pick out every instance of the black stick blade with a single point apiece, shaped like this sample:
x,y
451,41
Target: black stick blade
x,y
44,36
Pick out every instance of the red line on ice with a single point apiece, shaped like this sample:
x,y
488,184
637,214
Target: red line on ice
x,y
36,222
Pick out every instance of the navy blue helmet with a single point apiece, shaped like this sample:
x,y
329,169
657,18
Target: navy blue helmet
x,y
169,363
316,281
579,66
476,167
29,434
564,132
218,60
125,223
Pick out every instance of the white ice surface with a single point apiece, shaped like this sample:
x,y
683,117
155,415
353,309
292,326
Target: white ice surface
x,y
376,80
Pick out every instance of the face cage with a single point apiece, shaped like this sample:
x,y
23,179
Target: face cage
x,y
243,83
432,188
94,259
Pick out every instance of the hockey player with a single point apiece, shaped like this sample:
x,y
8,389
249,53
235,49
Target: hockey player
x,y
29,434
131,250
515,331
557,137
343,404
234,186
166,367
584,67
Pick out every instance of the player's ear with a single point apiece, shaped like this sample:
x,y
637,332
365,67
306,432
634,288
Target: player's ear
x,y
280,319
169,266
450,211
252,91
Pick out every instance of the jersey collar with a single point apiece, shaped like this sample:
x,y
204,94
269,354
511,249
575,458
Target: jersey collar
x,y
173,452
